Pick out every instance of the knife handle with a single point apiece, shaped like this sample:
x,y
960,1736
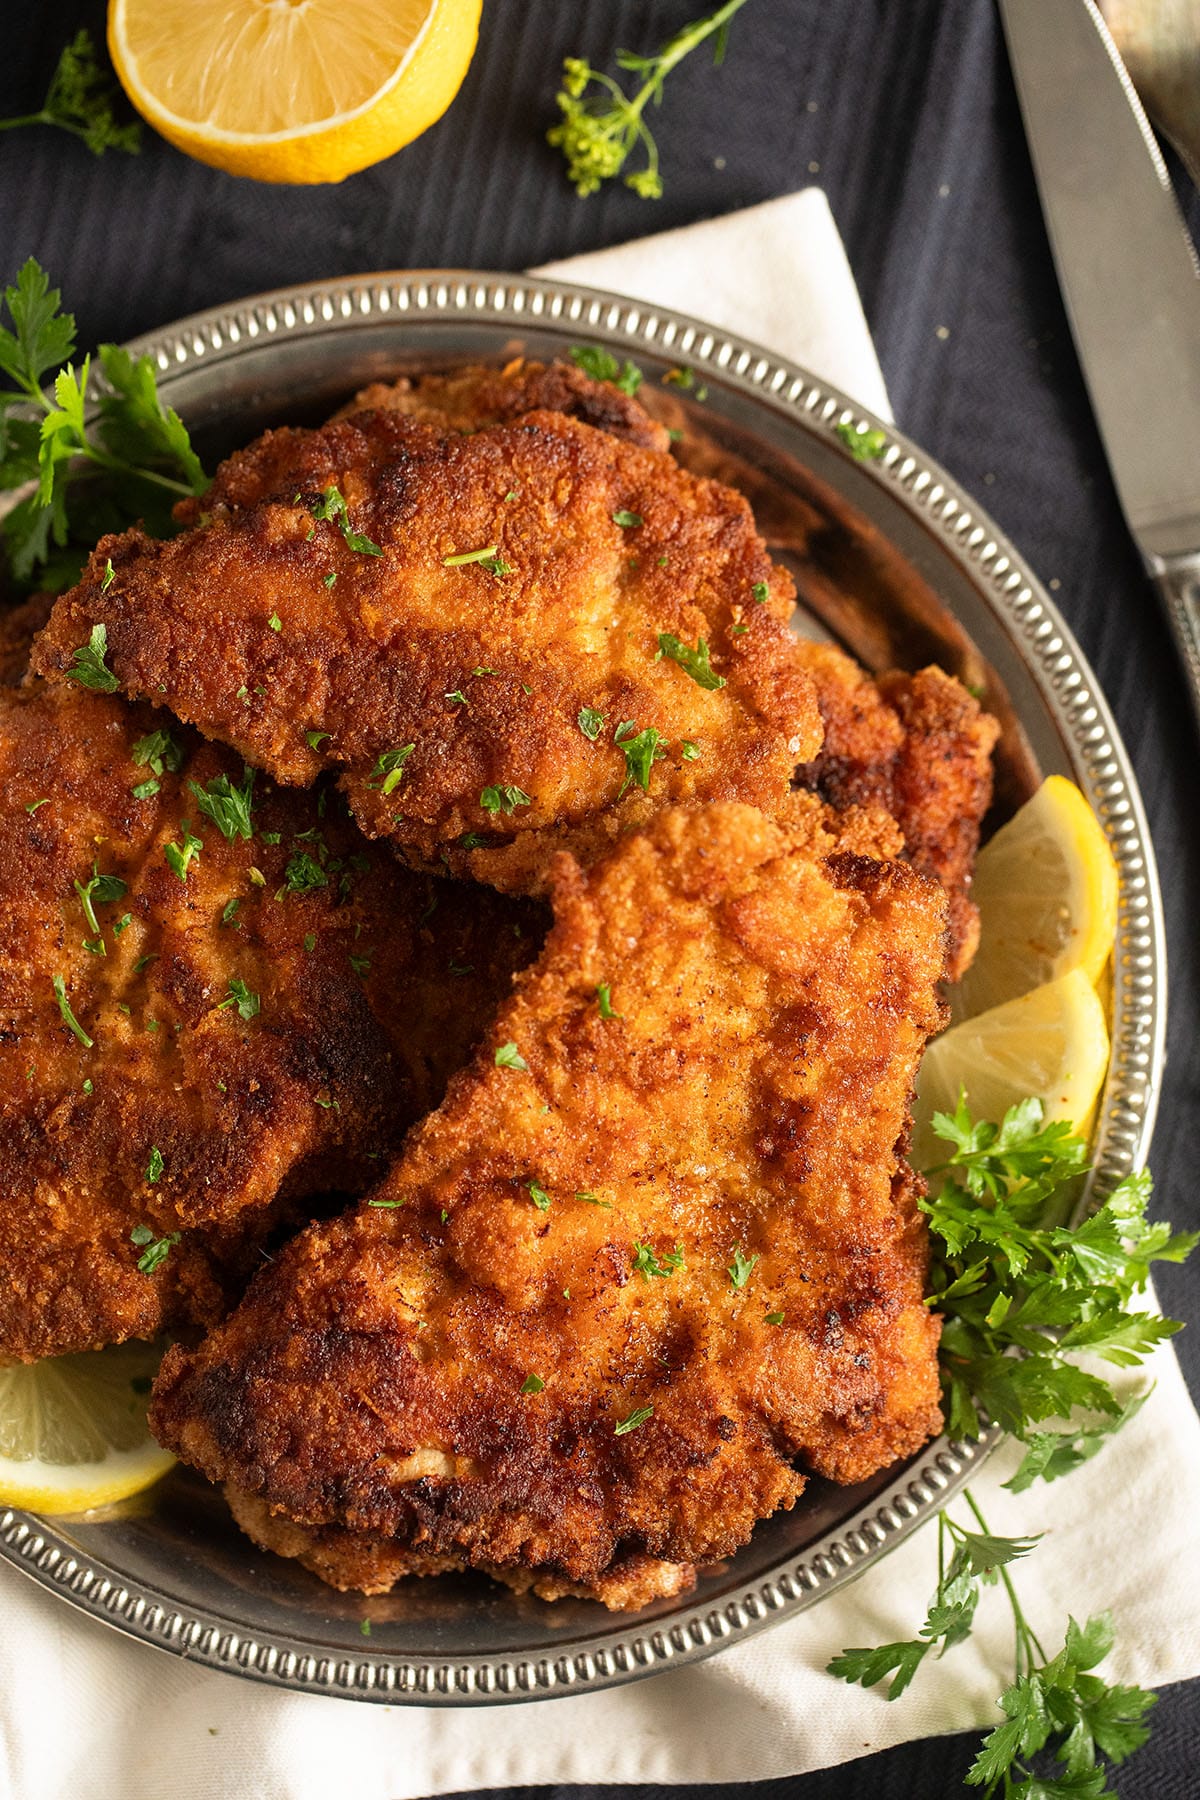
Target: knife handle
x,y
1178,581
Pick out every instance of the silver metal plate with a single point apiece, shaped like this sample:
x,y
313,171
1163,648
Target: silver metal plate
x,y
897,562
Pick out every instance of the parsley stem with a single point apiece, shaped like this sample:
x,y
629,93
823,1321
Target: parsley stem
x,y
1026,1637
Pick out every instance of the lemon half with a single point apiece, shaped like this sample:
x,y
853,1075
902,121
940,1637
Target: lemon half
x,y
73,1432
291,90
1047,887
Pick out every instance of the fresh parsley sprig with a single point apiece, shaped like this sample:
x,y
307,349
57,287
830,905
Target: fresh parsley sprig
x,y
80,100
600,130
140,447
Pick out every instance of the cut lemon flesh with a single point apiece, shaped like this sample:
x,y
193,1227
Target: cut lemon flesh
x,y
1051,1043
291,90
1046,886
73,1432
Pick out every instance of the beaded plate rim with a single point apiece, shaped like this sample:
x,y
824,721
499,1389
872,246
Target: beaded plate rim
x,y
1039,633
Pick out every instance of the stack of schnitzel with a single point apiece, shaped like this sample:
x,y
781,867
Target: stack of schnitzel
x,y
447,821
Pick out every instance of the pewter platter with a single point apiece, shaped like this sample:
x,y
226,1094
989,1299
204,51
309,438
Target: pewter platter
x,y
896,562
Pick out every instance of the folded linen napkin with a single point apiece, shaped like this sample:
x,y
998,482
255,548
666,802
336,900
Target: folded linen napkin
x,y
1124,1532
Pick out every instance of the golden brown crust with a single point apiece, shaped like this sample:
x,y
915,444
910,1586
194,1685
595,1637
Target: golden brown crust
x,y
19,625
747,1105
919,746
483,674
248,1115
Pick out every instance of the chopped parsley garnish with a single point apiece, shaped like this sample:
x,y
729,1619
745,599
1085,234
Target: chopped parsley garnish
x,y
360,964
122,924
180,856
462,557
143,962
110,575
95,946
594,1200
157,1249
228,807
602,365
509,1057
154,1167
503,799
275,622
865,445
628,521
160,751
471,840
539,1196
332,506
248,1004
761,592
695,662
389,768
532,1384
690,752
302,875
497,567
310,941
604,1001
314,739
591,722
101,888
738,630
458,698
229,915
642,751
741,1268
685,379
34,804
387,1205
773,1318
88,666
329,579
647,1264
145,790
637,1417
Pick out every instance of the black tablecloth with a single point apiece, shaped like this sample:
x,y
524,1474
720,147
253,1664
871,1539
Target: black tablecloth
x,y
903,110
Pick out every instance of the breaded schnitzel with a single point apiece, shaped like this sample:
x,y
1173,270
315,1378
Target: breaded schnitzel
x,y
505,639
920,746
197,1029
658,1243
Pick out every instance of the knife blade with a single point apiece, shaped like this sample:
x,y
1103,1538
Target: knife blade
x,y
1129,277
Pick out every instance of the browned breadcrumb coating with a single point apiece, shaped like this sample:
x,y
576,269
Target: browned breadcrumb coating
x,y
921,747
19,625
658,1246
364,988
449,695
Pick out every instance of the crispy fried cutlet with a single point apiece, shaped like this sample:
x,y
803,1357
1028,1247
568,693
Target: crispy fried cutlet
x,y
920,746
516,637
242,1022
658,1246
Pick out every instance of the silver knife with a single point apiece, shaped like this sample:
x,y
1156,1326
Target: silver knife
x,y
1129,277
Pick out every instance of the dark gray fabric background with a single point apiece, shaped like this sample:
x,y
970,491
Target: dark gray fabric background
x,y
904,112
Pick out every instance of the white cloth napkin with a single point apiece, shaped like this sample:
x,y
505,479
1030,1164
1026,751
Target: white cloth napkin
x,y
84,1712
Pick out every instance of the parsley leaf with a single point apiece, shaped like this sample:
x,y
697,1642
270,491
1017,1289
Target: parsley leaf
x,y
509,1057
628,521
332,507
539,1196
158,750
695,662
591,722
302,875
503,799
602,365
637,1417
604,1001
532,1384
642,751
228,807
157,1249
648,1265
68,1017
179,857
741,1268
154,1167
88,666
247,1004
389,768
101,888
80,100
865,444
761,592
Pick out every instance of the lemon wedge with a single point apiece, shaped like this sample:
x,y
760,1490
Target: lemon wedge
x,y
73,1432
1046,886
1052,1043
291,90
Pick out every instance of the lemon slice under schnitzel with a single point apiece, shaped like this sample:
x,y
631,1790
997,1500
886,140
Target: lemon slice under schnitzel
x,y
291,90
1046,886
73,1430
1052,1043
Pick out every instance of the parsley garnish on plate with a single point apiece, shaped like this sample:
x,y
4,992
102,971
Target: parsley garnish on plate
x,y
181,856
637,1417
157,1249
695,662
741,1268
158,751
865,444
642,750
532,1384
647,1264
154,1167
628,521
68,1017
88,666
460,558
389,768
604,1001
101,889
1022,1297
332,507
302,875
228,807
591,722
80,100
509,1057
602,365
34,804
685,379
504,799
538,1195
690,752
594,1200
